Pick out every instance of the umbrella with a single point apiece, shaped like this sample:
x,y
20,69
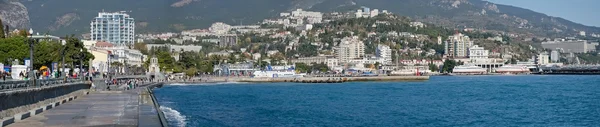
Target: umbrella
x,y
43,67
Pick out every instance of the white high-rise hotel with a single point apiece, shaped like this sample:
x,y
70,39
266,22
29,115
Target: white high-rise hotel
x,y
350,48
116,28
384,53
458,45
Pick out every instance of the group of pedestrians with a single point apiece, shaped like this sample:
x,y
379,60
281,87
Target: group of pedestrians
x,y
127,84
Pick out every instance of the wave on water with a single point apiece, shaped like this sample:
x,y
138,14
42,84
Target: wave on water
x,y
173,116
205,84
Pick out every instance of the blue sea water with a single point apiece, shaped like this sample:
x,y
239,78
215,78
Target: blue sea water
x,y
441,101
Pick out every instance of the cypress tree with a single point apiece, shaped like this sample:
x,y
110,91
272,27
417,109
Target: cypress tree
x,y
1,29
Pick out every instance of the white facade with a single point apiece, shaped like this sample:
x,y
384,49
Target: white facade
x,y
154,67
220,28
384,52
580,46
417,24
311,17
350,48
116,28
177,48
582,33
358,14
374,12
555,56
332,62
127,56
478,54
100,63
458,45
543,59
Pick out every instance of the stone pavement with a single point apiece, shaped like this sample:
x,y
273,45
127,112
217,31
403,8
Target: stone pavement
x,y
114,108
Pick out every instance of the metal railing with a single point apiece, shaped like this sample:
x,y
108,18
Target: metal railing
x,y
26,84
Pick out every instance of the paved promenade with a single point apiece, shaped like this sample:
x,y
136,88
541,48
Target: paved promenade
x,y
107,108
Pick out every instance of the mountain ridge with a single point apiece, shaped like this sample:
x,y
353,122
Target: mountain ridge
x,y
172,16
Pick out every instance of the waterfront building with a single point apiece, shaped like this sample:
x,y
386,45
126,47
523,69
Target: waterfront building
x,y
234,69
422,62
385,53
554,56
366,60
117,28
330,61
130,57
121,54
543,59
457,45
311,60
350,48
478,54
101,62
580,46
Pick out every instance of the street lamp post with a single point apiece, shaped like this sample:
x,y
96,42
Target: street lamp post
x,y
62,73
31,71
81,63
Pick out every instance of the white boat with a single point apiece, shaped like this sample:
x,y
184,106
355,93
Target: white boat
x,y
512,69
469,69
276,74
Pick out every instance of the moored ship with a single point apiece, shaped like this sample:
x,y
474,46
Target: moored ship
x,y
468,69
276,74
513,69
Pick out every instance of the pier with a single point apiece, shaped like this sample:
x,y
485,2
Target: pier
x,y
73,103
571,70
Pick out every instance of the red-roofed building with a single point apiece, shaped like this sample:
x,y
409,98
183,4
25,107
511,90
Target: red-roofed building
x,y
102,44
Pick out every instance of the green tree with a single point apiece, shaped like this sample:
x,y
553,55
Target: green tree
x,y
205,66
433,68
191,72
448,66
320,67
13,48
302,67
142,47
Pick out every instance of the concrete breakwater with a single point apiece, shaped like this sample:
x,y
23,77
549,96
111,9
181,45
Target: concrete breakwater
x,y
305,79
334,79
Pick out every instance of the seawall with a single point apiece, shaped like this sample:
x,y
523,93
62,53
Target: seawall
x,y
150,114
22,101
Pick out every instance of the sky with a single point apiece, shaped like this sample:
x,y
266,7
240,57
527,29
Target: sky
x,y
585,12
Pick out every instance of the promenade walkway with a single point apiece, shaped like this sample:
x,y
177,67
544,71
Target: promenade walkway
x,y
104,108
